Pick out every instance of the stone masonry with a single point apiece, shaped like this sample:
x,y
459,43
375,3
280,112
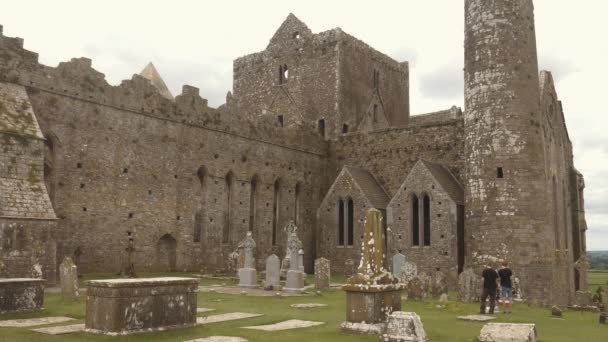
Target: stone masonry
x,y
316,130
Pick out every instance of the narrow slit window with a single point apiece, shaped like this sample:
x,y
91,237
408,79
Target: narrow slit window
x,y
351,223
426,209
341,222
500,173
415,221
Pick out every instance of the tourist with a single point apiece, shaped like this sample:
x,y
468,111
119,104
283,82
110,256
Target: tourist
x,y
506,287
489,278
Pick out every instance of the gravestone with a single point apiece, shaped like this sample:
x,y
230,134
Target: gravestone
x,y
517,292
247,274
301,261
322,273
439,284
373,293
273,273
468,286
398,261
68,277
295,277
290,230
506,332
21,294
556,311
404,326
408,271
349,268
417,288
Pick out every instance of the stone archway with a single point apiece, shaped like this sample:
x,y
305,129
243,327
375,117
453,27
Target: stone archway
x,y
166,253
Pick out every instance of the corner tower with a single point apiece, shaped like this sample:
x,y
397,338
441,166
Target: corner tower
x,y
506,204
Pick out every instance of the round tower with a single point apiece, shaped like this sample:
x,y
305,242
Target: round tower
x,y
504,175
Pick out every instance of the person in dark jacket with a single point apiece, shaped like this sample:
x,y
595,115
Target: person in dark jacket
x,y
489,279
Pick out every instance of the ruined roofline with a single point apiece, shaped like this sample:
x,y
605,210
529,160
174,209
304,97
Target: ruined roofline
x,y
78,80
546,80
333,35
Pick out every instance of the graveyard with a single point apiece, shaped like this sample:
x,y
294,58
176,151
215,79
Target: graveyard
x,y
439,319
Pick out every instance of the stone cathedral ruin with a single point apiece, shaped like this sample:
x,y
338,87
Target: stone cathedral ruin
x,y
316,129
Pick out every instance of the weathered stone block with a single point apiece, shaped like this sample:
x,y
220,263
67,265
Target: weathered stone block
x,y
21,294
68,277
508,332
404,327
322,273
127,306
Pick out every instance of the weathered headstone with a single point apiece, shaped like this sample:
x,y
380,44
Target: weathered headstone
x,y
443,298
272,272
507,332
398,262
556,311
290,230
408,271
295,277
68,277
21,294
248,274
322,273
404,326
349,268
517,292
416,288
439,284
603,317
468,286
373,293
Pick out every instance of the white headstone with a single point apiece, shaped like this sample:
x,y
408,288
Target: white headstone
x,y
247,274
272,272
404,326
68,277
398,261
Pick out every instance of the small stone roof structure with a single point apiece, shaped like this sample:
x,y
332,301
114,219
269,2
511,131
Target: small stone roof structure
x,y
152,74
370,187
446,180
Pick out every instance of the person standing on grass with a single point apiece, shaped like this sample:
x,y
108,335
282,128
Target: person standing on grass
x,y
506,287
489,279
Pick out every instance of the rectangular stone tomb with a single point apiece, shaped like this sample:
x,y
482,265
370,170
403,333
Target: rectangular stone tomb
x,y
21,294
128,306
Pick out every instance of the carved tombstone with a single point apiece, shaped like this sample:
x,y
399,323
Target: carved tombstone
x,y
322,273
247,274
295,277
290,229
272,272
417,288
68,277
468,286
439,284
409,270
398,262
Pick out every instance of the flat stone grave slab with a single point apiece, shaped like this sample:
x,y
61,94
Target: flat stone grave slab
x,y
285,325
508,332
60,330
220,339
308,306
235,290
130,306
225,317
21,294
201,310
476,318
32,322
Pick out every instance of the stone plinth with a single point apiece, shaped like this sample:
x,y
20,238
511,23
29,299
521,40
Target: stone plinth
x,y
368,306
404,327
508,332
128,306
21,294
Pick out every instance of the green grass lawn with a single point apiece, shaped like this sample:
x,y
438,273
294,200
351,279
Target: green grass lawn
x,y
597,279
440,323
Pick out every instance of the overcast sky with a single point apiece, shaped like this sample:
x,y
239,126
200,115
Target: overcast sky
x,y
194,42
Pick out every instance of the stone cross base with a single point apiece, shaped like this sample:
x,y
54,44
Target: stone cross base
x,y
371,303
129,306
21,294
295,282
248,277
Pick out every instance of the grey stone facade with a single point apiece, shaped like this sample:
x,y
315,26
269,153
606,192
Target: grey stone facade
x,y
313,119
